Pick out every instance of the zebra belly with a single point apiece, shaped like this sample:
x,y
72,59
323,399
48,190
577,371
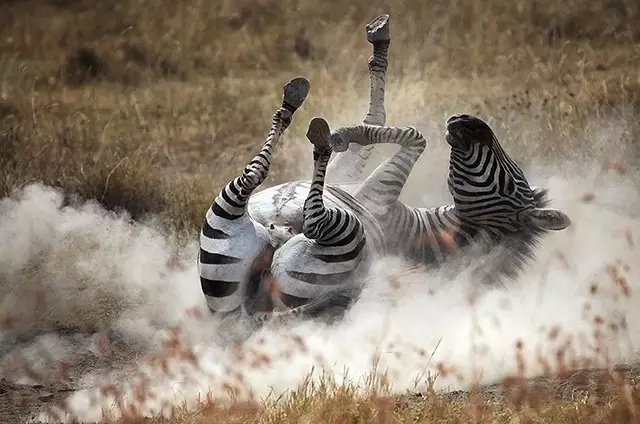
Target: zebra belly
x,y
279,209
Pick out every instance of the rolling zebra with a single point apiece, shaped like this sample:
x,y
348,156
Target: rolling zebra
x,y
285,252
493,203
241,269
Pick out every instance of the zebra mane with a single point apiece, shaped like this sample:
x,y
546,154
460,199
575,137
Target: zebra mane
x,y
508,256
541,197
520,246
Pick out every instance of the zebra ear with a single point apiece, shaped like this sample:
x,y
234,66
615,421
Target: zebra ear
x,y
548,219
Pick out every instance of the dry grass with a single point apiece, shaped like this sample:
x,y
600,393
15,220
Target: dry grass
x,y
340,406
578,396
152,106
607,398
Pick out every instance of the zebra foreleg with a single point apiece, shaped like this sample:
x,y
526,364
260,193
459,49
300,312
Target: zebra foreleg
x,y
380,192
347,167
231,243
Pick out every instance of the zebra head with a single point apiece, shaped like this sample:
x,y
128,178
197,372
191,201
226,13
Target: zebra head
x,y
488,187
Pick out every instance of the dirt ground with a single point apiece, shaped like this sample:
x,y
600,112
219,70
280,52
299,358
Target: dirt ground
x,y
33,378
21,402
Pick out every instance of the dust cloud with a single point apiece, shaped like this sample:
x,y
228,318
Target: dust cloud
x,y
103,294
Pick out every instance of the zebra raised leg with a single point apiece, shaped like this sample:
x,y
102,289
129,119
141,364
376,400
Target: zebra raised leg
x,y
232,245
348,166
379,35
319,269
380,192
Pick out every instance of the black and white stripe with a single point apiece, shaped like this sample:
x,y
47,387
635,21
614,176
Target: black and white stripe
x,y
322,237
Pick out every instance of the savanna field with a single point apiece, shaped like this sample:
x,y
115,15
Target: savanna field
x,y
120,120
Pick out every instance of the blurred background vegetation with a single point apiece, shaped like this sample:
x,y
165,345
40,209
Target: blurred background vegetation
x,y
150,106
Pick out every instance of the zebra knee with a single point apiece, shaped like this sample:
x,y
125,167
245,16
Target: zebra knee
x,y
311,230
411,137
251,178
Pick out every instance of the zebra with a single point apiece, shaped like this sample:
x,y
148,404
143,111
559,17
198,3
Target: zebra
x,y
244,271
323,267
276,273
279,208
493,203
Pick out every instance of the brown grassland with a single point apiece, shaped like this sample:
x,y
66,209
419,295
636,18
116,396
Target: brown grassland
x,y
150,107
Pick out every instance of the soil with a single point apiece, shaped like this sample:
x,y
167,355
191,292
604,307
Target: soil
x,y
46,378
21,402
575,385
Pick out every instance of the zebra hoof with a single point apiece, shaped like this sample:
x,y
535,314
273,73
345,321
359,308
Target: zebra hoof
x,y
338,142
378,29
295,91
318,134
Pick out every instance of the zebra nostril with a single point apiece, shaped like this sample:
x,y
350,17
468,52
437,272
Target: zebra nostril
x,y
272,227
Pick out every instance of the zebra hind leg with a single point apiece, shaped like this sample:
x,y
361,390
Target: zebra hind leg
x,y
328,227
231,243
379,35
338,233
347,167
294,94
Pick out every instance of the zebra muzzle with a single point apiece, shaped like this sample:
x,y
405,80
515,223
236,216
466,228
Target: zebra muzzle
x,y
454,140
